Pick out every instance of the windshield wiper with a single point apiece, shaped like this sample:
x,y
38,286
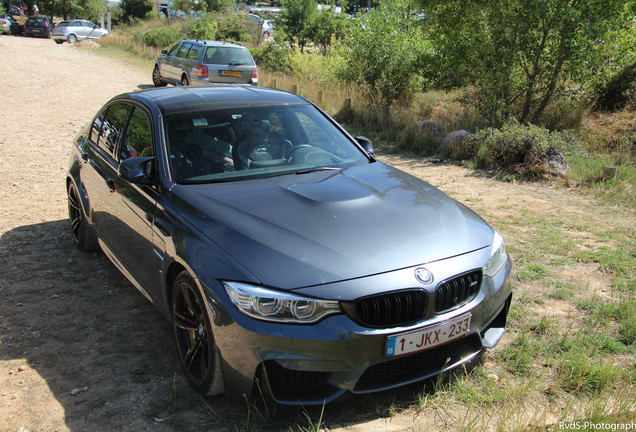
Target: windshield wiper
x,y
316,169
206,181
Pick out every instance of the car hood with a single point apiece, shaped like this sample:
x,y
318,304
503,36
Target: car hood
x,y
309,229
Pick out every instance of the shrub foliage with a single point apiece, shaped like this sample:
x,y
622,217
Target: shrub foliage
x,y
159,37
516,147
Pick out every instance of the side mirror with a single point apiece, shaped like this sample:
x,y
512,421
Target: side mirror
x,y
366,144
164,52
137,170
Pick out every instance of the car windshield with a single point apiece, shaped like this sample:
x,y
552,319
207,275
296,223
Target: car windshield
x,y
224,55
255,142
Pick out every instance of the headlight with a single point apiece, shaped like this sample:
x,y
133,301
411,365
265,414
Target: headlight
x,y
498,256
270,305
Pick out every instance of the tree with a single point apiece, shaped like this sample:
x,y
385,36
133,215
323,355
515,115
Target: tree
x,y
218,5
296,20
136,8
521,55
384,52
327,25
88,9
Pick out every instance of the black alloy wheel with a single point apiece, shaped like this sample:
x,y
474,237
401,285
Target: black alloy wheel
x,y
156,78
84,237
197,351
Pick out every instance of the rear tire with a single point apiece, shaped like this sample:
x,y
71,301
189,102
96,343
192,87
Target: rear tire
x,y
198,353
84,237
71,39
185,81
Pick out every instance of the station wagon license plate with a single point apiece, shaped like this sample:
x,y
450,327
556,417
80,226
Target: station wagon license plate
x,y
428,337
230,73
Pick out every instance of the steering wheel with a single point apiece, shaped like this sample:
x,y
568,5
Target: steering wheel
x,y
289,152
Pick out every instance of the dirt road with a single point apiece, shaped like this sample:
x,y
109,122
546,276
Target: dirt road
x,y
61,311
80,348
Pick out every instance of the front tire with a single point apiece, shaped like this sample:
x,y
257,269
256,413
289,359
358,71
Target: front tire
x,y
84,237
198,353
156,78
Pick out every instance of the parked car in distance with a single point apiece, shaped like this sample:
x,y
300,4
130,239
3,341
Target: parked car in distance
x,y
73,30
14,10
267,28
290,261
203,62
9,26
37,25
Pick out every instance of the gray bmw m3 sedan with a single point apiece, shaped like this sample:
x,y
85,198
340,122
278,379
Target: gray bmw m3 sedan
x,y
289,260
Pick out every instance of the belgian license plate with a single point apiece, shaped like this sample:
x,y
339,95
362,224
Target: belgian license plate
x,y
428,337
230,73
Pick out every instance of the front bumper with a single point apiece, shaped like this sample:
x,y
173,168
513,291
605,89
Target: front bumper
x,y
313,364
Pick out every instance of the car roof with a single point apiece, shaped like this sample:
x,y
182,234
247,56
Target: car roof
x,y
213,43
218,96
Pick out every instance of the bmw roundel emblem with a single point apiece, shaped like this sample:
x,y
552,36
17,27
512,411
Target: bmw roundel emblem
x,y
423,276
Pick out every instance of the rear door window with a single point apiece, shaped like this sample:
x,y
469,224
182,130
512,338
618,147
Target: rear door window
x,y
194,52
112,124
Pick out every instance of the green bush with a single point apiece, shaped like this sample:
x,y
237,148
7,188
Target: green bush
x,y
135,9
619,91
518,147
158,37
235,27
383,66
275,57
203,28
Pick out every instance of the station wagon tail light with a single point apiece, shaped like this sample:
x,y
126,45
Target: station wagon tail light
x,y
269,305
254,74
202,71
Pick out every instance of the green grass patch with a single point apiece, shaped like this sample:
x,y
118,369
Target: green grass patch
x,y
531,271
578,373
562,291
520,355
588,170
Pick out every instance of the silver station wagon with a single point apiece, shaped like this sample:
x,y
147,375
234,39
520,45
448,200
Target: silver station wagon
x,y
73,30
201,62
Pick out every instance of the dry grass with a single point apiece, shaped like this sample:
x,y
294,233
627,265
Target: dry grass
x,y
330,98
126,43
610,132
